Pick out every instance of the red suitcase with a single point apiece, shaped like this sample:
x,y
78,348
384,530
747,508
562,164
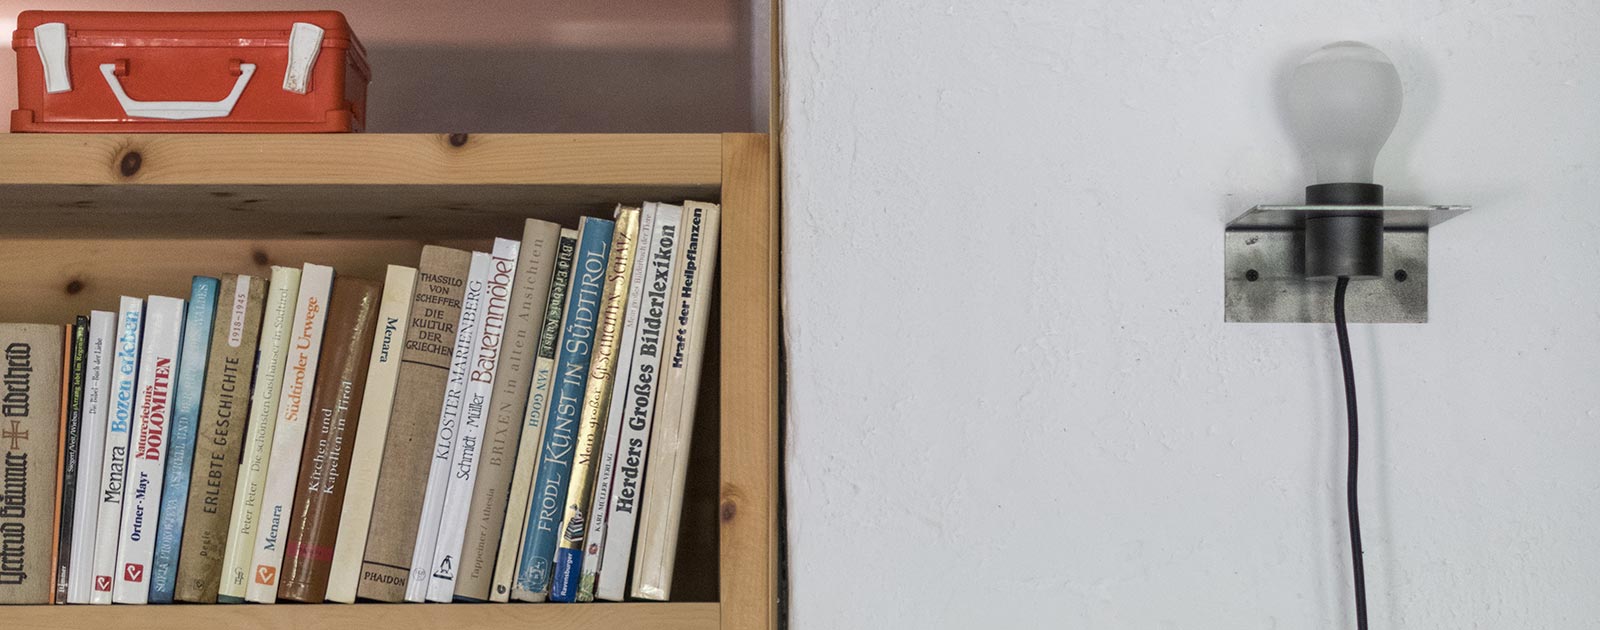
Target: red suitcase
x,y
233,72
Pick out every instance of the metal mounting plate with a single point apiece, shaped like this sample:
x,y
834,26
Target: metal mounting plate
x,y
1281,293
1394,217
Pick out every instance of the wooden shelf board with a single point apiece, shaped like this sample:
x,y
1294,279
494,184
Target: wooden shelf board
x,y
655,616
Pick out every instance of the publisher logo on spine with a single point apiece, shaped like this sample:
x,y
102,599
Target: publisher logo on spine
x,y
133,572
102,583
266,575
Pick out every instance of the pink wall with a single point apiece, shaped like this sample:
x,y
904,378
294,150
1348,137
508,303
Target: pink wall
x,y
531,65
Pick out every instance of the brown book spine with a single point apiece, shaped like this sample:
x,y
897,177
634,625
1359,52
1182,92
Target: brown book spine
x,y
224,409
424,367
335,407
30,422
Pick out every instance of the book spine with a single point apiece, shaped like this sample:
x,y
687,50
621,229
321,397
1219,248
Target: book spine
x,y
288,438
271,351
71,441
342,373
595,537
180,450
424,370
488,338
30,422
538,404
503,430
674,425
377,400
596,407
449,428
91,451
224,406
534,563
114,463
147,448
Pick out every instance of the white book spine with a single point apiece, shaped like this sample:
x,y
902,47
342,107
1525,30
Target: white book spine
x,y
383,373
594,539
673,428
98,366
636,403
147,446
289,437
544,367
276,325
491,328
449,426
114,461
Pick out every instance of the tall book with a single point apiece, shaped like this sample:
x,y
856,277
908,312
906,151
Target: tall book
x,y
190,386
147,448
30,418
636,401
582,315
91,451
335,407
430,340
71,441
377,401
289,437
224,408
503,429
449,429
596,408
538,406
487,343
674,423
272,350
114,462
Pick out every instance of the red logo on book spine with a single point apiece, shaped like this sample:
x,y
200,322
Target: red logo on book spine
x,y
266,575
133,572
102,583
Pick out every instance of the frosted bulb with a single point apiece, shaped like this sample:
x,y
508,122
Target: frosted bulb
x,y
1344,100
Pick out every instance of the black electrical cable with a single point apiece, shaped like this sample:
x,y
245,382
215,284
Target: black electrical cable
x,y
1352,506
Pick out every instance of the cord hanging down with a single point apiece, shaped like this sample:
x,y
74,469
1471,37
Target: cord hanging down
x,y
1353,507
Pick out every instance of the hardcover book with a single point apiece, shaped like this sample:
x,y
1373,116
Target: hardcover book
x,y
425,366
582,315
114,460
449,428
596,405
669,449
147,448
538,406
502,433
487,342
636,401
600,492
271,351
377,400
180,450
335,405
91,451
30,418
224,408
71,441
288,438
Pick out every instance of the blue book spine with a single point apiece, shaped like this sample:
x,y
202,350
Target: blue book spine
x,y
566,402
192,359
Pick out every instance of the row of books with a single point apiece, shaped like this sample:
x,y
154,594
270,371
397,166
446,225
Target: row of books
x,y
476,428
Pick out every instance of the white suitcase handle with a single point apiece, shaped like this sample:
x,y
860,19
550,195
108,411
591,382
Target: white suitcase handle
x,y
177,110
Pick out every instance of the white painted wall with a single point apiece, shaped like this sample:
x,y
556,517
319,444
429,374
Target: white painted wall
x,y
1013,399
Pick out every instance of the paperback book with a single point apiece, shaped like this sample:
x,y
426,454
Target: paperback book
x,y
91,452
147,448
71,440
114,463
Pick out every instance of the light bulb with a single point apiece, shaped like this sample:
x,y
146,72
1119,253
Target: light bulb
x,y
1344,100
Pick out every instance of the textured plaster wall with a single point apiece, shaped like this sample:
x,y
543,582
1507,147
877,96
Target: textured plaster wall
x,y
1013,400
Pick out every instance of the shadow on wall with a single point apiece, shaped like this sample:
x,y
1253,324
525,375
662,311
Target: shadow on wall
x,y
449,89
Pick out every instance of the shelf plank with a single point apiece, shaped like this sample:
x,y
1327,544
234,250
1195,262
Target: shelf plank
x,y
343,185
655,616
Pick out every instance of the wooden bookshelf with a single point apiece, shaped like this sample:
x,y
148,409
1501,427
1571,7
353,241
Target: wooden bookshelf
x,y
85,218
